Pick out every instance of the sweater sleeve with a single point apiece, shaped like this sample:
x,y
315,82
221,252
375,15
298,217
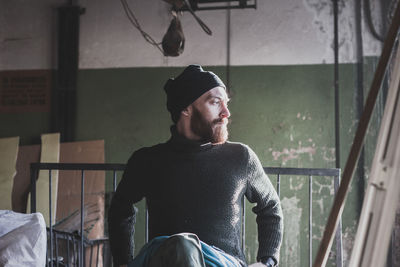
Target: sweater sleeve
x,y
122,213
268,209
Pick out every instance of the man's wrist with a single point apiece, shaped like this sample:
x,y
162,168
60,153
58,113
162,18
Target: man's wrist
x,y
268,261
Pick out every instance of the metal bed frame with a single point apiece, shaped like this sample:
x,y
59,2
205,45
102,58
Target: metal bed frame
x,y
79,240
72,243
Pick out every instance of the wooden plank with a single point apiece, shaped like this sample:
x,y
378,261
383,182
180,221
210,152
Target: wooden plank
x,y
8,158
22,182
383,191
50,152
349,169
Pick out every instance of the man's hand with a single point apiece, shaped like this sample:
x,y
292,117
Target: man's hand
x,y
269,262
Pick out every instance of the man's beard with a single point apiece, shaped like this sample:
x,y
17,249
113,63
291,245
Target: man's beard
x,y
214,131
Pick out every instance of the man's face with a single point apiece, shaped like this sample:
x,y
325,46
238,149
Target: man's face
x,y
210,116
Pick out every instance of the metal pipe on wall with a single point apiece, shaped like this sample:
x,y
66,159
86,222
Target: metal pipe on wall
x,y
228,48
336,81
359,99
64,93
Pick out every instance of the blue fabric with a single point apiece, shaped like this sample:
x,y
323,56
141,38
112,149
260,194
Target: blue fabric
x,y
147,250
213,256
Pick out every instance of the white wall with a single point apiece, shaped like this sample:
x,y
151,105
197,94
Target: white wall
x,y
281,32
26,33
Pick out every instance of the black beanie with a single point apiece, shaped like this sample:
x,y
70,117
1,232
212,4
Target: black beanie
x,y
187,87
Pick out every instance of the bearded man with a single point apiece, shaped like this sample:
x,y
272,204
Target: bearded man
x,y
194,185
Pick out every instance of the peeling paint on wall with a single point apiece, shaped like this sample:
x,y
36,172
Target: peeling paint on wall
x,y
293,153
328,154
319,187
262,36
296,187
320,203
322,12
348,242
278,128
303,117
290,255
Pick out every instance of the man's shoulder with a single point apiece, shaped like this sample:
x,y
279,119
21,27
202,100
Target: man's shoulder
x,y
146,152
150,149
243,148
237,147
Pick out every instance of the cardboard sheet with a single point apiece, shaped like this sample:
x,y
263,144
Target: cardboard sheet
x,y
69,188
69,192
22,182
8,157
50,153
68,196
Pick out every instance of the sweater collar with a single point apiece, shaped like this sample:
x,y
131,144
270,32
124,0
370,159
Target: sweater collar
x,y
181,143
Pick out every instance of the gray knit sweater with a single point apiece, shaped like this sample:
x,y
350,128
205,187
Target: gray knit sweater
x,y
196,188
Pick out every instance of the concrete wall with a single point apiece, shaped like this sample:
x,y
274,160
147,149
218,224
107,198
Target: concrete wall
x,y
276,33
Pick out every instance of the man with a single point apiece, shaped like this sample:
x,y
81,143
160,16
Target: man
x,y
194,184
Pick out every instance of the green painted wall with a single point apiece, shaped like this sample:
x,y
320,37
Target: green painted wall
x,y
285,113
29,126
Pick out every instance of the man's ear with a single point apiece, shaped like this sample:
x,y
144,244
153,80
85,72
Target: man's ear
x,y
187,111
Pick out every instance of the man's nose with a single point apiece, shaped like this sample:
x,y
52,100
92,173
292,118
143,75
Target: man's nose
x,y
225,112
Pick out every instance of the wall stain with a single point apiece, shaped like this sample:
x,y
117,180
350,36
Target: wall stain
x,y
320,203
293,187
290,255
303,117
348,238
293,153
278,127
14,39
322,14
318,187
328,154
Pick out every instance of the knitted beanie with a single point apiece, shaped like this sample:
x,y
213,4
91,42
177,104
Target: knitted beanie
x,y
187,87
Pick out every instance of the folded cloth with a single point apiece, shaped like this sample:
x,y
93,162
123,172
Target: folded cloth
x,y
22,239
182,250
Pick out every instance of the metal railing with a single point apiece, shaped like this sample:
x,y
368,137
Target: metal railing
x,y
310,172
279,172
52,260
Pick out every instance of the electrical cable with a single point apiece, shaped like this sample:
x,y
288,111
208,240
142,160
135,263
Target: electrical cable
x,y
132,18
201,23
228,50
368,16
